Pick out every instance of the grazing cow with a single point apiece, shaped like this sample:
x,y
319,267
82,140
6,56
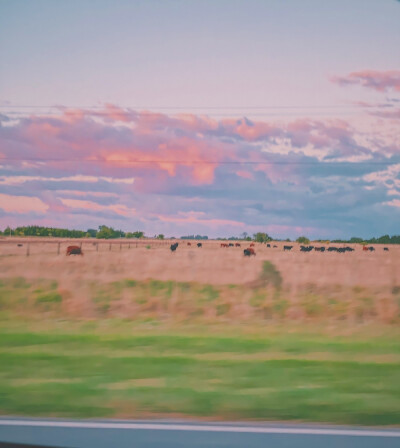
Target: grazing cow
x,y
19,245
371,249
274,246
365,248
306,248
249,251
287,248
268,245
320,249
237,244
252,245
332,249
199,244
224,245
173,247
74,250
349,249
189,244
231,244
386,248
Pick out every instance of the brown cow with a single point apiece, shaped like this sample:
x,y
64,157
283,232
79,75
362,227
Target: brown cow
x,y
249,251
237,244
189,244
252,245
74,250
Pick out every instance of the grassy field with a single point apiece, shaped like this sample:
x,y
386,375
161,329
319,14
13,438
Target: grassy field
x,y
52,364
115,369
80,338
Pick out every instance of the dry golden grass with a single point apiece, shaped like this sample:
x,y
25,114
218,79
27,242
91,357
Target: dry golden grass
x,y
209,283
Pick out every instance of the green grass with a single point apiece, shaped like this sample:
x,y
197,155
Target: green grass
x,y
89,372
262,367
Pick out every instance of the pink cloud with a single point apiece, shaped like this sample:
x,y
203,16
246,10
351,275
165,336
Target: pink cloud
x,y
22,204
119,209
380,81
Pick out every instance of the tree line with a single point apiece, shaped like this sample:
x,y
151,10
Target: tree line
x,y
102,232
105,232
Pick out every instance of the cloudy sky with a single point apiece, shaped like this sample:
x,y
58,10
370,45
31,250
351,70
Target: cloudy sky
x,y
210,117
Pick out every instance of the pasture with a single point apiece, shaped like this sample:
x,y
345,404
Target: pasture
x,y
139,331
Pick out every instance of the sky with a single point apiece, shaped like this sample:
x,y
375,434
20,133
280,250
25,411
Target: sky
x,y
201,117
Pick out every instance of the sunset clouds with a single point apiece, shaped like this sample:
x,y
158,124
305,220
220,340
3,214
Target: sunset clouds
x,y
381,81
188,173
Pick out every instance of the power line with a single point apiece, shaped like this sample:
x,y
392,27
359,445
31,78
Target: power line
x,y
259,107
196,162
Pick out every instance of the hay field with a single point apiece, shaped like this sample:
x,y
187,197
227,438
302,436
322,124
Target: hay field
x,y
210,264
137,332
358,285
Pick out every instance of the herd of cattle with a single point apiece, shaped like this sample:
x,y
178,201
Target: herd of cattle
x,y
76,250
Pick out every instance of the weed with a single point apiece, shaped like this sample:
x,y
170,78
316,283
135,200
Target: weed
x,y
279,307
20,283
130,283
223,308
270,275
49,297
209,293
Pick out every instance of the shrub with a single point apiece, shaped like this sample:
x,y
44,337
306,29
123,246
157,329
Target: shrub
x,y
303,240
50,297
270,275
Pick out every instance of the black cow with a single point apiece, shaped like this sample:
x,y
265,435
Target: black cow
x,y
371,249
268,245
199,245
173,247
320,249
386,248
349,249
287,248
248,252
306,248
231,244
332,249
275,246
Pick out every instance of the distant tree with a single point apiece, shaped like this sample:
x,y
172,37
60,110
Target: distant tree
x,y
262,237
303,240
92,233
107,233
160,236
355,240
136,234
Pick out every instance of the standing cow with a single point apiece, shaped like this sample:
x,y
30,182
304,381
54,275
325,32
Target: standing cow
x,y
74,250
173,247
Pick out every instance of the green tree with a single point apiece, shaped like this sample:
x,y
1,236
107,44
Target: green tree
x,y
262,237
303,240
160,236
107,233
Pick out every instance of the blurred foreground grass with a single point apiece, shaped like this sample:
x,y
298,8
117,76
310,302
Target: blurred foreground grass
x,y
323,371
